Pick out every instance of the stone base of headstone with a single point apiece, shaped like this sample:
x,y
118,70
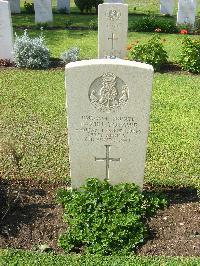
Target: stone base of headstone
x,y
108,109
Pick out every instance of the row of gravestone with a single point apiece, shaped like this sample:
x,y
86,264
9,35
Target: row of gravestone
x,y
186,10
44,4
112,35
43,9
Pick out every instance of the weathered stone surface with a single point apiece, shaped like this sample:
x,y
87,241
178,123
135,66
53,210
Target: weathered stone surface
x,y
43,11
112,32
186,12
108,107
63,5
6,32
167,7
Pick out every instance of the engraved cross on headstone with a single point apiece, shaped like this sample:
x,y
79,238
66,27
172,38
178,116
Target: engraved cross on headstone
x,y
113,39
107,159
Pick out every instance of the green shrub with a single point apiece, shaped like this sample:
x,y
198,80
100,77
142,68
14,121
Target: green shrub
x,y
31,52
152,53
197,26
190,55
152,24
29,7
93,24
70,55
87,5
68,23
106,219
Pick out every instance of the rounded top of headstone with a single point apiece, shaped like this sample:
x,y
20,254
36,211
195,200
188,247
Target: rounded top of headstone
x,y
109,62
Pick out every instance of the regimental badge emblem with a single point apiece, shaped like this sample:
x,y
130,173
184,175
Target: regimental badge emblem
x,y
113,14
108,93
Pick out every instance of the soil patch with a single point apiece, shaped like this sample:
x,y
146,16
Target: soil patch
x,y
30,217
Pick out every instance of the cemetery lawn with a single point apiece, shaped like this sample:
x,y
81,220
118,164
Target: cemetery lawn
x,y
11,257
61,40
34,138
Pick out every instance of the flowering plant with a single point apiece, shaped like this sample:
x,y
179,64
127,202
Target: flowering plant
x,y
152,52
129,47
184,31
190,55
158,30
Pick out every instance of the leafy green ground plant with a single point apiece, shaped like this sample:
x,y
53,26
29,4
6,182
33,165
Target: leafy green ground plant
x,y
105,219
152,52
27,258
153,23
190,55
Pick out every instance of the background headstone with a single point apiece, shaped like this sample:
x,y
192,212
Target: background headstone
x,y
114,1
108,107
6,32
167,7
63,5
43,11
112,30
186,12
15,6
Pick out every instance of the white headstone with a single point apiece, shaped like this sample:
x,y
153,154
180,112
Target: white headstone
x,y
108,107
167,7
15,6
6,33
186,12
114,1
63,5
112,30
43,11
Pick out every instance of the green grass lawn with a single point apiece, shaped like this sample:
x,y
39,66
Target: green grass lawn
x,y
21,258
33,122
60,40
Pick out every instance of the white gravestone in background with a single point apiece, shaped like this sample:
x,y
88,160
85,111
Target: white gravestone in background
x,y
108,107
63,5
6,33
167,7
114,1
112,30
43,11
186,12
15,6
